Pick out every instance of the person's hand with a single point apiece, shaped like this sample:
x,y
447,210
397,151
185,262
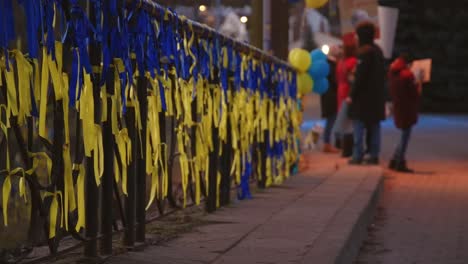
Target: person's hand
x,y
349,100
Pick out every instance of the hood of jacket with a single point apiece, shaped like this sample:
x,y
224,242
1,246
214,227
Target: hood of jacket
x,y
398,65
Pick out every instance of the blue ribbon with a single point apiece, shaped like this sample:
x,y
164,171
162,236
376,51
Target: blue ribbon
x,y
79,30
31,9
237,71
225,70
243,190
204,60
7,27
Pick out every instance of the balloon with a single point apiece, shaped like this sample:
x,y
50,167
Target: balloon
x,y
319,69
318,55
305,84
321,86
299,59
315,3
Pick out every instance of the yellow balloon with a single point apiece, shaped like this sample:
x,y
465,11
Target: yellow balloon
x,y
315,3
300,59
292,55
305,84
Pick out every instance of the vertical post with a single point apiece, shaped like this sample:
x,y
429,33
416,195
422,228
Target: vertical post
x,y
213,169
91,189
262,161
267,25
213,174
141,170
91,226
108,175
225,163
280,28
162,131
130,210
257,23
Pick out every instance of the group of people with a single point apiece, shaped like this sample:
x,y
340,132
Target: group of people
x,y
358,92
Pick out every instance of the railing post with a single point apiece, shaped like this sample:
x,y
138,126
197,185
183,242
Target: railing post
x,y
213,172
141,170
108,174
226,156
91,189
130,210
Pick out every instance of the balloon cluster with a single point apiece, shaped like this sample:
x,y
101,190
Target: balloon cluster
x,y
313,70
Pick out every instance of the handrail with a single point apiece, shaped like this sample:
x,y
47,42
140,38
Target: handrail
x,y
157,10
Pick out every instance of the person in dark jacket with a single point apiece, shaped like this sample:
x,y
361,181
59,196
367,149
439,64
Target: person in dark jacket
x,y
405,92
328,103
367,97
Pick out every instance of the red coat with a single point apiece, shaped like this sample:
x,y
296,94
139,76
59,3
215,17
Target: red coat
x,y
404,93
343,69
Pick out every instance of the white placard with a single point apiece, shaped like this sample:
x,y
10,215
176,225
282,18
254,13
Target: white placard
x,y
388,20
422,70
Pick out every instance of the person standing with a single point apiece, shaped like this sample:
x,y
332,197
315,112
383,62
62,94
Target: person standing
x,y
328,102
405,92
345,75
367,96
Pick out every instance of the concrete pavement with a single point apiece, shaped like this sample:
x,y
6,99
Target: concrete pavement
x,y
319,216
423,217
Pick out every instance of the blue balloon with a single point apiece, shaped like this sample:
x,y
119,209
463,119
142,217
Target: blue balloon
x,y
321,86
318,55
319,69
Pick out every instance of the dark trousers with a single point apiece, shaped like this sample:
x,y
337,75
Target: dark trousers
x,y
400,152
329,122
359,130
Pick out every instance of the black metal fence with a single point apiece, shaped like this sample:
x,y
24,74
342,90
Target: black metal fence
x,y
111,109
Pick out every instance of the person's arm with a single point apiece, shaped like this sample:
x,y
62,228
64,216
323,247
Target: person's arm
x,y
350,68
363,67
419,82
414,86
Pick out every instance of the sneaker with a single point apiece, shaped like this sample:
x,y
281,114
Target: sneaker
x,y
327,148
354,162
372,161
401,167
392,164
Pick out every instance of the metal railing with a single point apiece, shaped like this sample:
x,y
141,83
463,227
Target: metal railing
x,y
131,108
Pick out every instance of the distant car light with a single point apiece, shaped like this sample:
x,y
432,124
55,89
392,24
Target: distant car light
x,y
244,19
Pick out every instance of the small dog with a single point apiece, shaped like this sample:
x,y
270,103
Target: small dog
x,y
312,137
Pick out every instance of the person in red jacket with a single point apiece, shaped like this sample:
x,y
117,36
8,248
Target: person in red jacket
x,y
344,74
405,92
345,68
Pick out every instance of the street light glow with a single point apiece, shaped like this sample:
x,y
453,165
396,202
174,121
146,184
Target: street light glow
x,y
244,19
326,49
202,8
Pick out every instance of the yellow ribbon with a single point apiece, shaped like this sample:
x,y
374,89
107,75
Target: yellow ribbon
x,y
81,198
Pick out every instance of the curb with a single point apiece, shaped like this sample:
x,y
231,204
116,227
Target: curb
x,y
341,241
352,246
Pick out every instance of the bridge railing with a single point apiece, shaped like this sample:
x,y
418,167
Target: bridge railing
x,y
111,109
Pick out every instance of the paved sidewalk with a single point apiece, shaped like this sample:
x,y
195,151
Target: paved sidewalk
x,y
423,217
312,218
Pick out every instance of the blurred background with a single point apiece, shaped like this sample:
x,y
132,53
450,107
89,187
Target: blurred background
x,y
425,29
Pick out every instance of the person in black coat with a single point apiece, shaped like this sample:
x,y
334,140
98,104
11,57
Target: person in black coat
x,y
367,97
328,103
